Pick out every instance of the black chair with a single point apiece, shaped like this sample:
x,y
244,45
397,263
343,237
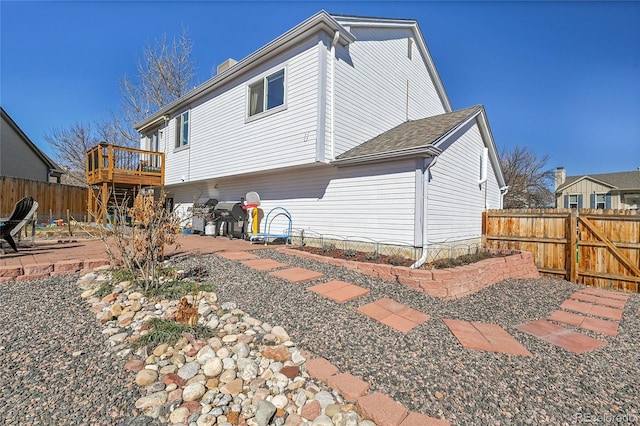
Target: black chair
x,y
22,213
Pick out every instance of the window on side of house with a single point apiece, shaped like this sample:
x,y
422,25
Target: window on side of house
x,y
182,130
266,93
600,201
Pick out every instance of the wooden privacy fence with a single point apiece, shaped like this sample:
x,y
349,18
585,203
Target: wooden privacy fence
x,y
599,248
53,198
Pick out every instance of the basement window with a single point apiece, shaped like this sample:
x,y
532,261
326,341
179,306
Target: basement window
x,y
266,93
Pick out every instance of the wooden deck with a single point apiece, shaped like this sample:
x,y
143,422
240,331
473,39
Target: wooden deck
x,y
116,171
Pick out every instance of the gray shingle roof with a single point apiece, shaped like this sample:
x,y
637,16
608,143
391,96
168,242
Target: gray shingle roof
x,y
620,180
412,134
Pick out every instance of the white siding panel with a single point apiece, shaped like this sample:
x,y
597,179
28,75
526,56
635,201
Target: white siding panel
x,y
224,143
373,201
371,86
455,200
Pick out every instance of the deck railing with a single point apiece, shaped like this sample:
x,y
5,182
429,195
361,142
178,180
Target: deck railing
x,y
118,164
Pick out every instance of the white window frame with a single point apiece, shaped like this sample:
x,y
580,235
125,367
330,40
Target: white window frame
x,y
265,95
574,204
182,140
603,204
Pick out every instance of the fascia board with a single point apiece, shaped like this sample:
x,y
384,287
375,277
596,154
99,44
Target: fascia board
x,y
422,151
420,42
321,21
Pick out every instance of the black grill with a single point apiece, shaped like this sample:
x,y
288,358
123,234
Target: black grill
x,y
229,214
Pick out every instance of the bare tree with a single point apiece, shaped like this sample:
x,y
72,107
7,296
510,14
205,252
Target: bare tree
x,y
165,73
529,183
71,144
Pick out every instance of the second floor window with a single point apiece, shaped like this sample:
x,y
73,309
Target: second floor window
x,y
267,93
182,130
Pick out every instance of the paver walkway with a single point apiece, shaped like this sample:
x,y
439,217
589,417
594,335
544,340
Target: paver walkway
x,y
394,314
485,337
588,303
339,291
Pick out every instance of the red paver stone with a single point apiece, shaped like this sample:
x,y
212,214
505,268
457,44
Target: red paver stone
x,y
350,386
390,305
606,312
601,326
263,264
399,323
485,337
413,315
567,318
605,293
383,410
560,336
339,291
374,311
297,275
500,340
598,325
237,255
598,300
591,309
320,369
328,287
417,419
394,314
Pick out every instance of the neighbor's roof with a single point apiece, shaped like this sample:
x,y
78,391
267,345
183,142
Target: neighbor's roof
x,y
620,180
414,136
44,157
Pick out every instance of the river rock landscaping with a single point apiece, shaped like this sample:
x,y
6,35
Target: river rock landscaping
x,y
69,359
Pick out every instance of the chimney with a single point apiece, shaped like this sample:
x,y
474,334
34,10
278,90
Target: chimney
x,y
561,176
226,65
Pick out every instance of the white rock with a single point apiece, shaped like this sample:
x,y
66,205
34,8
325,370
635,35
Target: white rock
x,y
280,333
280,401
212,367
206,420
322,420
193,392
205,354
153,400
179,415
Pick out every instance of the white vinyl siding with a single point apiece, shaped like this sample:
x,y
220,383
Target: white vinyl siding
x,y
223,143
378,87
358,202
455,200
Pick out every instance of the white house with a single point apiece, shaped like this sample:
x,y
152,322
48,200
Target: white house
x,y
344,122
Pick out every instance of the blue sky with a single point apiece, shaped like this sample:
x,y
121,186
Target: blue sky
x,y
562,78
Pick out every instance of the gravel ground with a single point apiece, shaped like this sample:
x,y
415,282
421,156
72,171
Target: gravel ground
x,y
426,369
44,322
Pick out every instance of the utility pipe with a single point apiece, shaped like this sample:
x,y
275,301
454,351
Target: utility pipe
x,y
425,197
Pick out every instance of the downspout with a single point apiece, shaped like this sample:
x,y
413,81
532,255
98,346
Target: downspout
x,y
425,196
502,194
332,55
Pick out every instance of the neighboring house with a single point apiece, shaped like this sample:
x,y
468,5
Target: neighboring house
x,y
598,191
21,158
344,122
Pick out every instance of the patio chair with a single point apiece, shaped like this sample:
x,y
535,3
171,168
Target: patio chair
x,y
22,213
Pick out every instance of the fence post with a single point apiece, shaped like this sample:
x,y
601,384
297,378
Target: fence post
x,y
571,261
